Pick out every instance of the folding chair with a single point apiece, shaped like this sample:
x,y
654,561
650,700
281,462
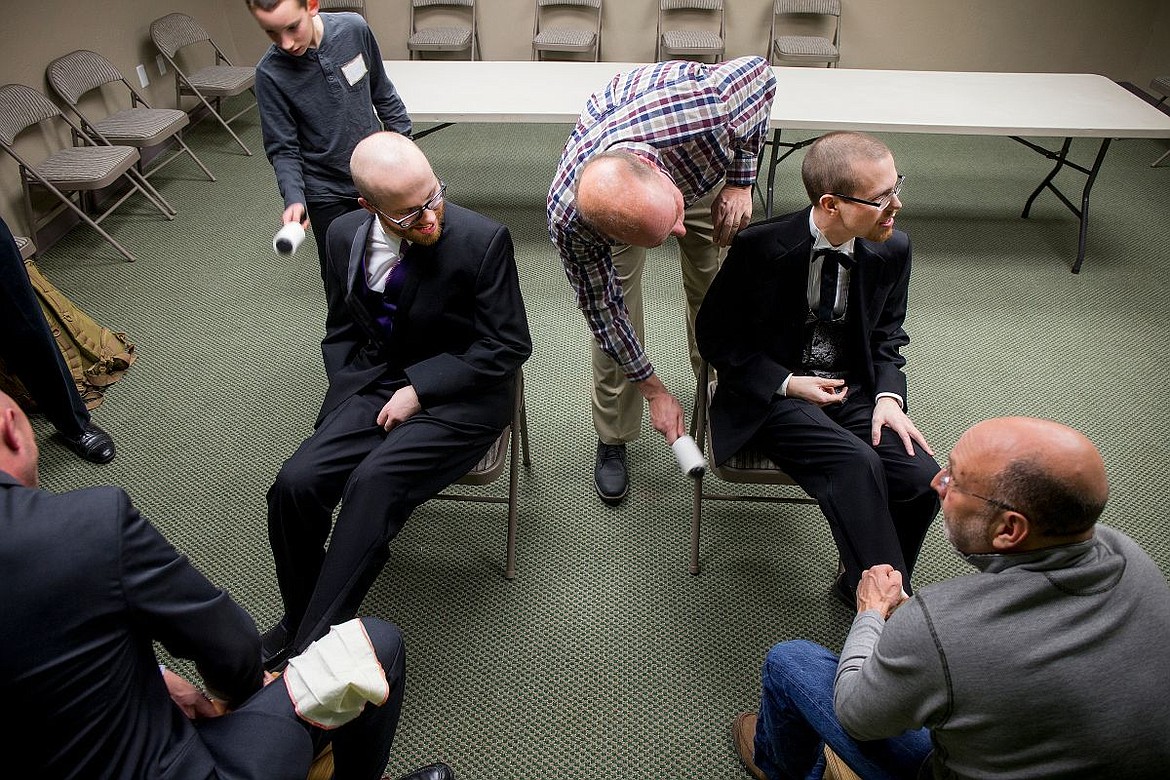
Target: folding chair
x,y
27,248
805,49
446,37
799,50
566,38
140,126
689,42
746,467
82,169
504,452
177,31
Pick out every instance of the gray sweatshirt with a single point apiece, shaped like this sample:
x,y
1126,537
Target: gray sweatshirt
x,y
315,108
1053,663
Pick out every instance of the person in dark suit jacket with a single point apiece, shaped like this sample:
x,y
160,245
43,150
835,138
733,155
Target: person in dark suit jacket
x,y
804,326
89,585
29,351
425,334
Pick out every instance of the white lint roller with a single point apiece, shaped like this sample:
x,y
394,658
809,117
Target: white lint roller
x,y
690,460
288,239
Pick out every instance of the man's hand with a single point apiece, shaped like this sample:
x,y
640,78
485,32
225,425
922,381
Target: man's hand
x,y
880,588
731,212
666,414
296,213
189,699
814,389
402,406
888,412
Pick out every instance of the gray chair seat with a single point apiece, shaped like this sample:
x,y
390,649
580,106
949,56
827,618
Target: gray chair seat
x,y
440,38
566,38
141,126
820,49
222,80
87,167
691,42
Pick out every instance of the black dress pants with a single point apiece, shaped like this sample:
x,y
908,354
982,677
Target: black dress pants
x,y
265,739
322,211
379,478
878,500
28,348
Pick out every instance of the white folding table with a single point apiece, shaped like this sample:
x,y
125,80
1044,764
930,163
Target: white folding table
x,y
1062,105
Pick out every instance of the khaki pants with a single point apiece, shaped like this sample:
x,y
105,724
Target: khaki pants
x,y
617,404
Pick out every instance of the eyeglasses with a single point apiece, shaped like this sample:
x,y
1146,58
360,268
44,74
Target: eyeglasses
x,y
947,481
407,221
881,202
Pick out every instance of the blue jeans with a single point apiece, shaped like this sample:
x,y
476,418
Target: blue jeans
x,y
796,719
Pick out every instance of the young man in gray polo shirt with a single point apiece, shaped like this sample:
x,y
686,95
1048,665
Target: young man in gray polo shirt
x,y
321,89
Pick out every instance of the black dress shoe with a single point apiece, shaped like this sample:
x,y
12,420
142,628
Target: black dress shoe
x,y
274,649
94,444
843,593
429,772
609,472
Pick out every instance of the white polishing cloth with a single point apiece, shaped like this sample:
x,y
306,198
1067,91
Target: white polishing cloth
x,y
331,681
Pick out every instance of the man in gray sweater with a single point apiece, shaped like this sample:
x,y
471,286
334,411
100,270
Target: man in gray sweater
x,y
1051,661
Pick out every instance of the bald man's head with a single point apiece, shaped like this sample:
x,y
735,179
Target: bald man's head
x,y
395,181
1051,473
18,443
629,199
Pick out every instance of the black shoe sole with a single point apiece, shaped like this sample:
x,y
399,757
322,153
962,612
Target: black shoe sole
x,y
611,500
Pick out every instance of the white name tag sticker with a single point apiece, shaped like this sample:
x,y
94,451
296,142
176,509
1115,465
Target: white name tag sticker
x,y
355,69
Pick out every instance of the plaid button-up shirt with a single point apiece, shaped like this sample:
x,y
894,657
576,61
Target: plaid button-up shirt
x,y
703,124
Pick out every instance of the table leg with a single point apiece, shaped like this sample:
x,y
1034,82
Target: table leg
x,y
1062,161
429,130
776,159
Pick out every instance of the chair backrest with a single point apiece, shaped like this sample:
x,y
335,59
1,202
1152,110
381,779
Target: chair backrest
x,y
22,107
589,3
825,7
174,31
424,3
78,72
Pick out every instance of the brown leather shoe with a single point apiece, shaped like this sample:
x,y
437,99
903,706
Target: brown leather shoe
x,y
743,736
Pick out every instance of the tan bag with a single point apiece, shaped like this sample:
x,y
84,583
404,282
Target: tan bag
x,y
97,357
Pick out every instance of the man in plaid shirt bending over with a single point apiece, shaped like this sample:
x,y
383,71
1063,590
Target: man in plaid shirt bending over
x,y
664,150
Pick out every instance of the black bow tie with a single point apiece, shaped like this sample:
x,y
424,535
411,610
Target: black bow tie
x,y
840,258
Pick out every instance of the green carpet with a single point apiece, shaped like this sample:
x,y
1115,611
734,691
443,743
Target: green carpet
x,y
604,658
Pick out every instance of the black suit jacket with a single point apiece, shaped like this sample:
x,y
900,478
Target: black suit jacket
x,y
460,332
751,324
88,585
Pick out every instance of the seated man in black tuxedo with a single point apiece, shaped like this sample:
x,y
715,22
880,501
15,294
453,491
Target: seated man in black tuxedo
x,y
89,584
425,334
804,326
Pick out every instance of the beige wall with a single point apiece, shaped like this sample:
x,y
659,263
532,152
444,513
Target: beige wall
x,y
1124,39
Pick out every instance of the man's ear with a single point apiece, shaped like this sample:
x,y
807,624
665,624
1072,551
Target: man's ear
x,y
1010,531
365,204
828,204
